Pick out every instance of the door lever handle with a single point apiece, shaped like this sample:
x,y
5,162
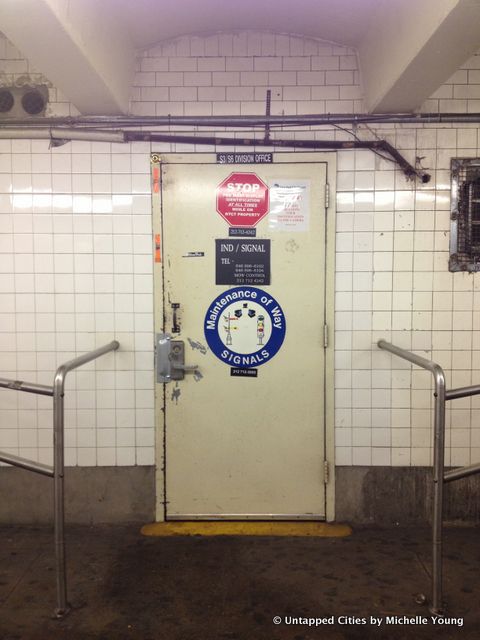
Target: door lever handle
x,y
184,367
170,356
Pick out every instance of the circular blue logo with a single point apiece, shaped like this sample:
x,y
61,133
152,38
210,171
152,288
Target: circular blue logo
x,y
245,327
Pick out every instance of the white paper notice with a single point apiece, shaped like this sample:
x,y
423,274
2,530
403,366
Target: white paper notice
x,y
289,205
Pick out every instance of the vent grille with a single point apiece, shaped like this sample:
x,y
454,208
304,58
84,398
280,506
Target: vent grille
x,y
23,102
465,215
6,100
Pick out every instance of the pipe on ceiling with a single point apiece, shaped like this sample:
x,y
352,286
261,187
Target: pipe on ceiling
x,y
243,121
59,136
377,146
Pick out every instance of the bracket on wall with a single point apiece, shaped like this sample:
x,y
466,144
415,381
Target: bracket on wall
x,y
268,102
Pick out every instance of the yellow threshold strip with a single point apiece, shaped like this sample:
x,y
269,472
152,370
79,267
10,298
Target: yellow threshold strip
x,y
251,528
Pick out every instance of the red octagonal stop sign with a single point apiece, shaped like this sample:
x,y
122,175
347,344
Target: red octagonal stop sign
x,y
242,199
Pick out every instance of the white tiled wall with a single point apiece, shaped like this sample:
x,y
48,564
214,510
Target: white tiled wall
x,y
229,74
76,256
76,270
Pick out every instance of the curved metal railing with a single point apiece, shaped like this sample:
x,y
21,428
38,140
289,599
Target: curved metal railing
x,y
57,391
441,395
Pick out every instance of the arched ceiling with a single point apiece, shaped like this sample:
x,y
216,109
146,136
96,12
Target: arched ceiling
x,y
341,21
406,48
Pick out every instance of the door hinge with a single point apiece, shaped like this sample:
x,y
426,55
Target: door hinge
x,y
327,195
326,472
325,335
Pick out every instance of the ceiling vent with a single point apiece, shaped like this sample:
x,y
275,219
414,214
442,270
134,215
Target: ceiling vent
x,y
23,102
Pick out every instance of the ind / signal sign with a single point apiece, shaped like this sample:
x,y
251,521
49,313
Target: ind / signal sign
x,y
242,199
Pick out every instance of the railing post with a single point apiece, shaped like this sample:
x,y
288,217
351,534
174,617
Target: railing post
x,y
438,473
57,472
62,607
438,465
59,469
439,476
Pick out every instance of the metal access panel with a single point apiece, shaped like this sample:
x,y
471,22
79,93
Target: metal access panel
x,y
465,215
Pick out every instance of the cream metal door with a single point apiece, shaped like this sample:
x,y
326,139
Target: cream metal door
x,y
242,436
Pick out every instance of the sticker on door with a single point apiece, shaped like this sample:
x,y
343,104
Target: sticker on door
x,y
245,327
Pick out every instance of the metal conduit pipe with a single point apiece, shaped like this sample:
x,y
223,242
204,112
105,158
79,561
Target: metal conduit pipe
x,y
243,121
375,145
56,134
59,136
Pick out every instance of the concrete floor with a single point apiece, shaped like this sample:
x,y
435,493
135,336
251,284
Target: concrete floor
x,y
123,585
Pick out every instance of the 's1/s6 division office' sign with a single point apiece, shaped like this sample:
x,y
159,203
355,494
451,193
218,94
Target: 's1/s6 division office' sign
x,y
242,199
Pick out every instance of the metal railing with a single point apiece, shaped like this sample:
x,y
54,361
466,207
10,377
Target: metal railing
x,y
440,477
57,471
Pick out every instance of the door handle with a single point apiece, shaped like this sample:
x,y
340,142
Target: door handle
x,y
171,359
185,367
177,360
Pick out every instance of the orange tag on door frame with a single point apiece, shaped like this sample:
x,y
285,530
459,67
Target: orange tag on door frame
x,y
158,250
156,179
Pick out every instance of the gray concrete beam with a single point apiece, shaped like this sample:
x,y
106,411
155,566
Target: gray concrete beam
x,y
413,47
78,46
